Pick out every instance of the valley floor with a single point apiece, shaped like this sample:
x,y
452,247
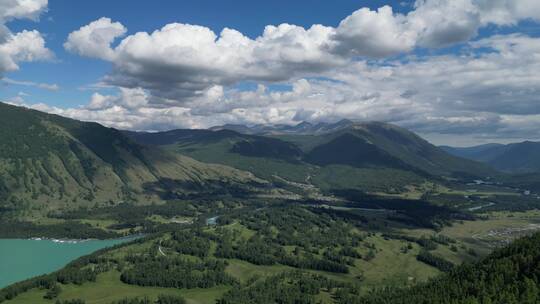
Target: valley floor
x,y
394,261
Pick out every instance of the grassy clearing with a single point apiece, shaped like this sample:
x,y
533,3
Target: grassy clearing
x,y
390,266
243,231
244,271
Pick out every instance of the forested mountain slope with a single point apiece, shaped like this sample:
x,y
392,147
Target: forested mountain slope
x,y
509,275
521,157
396,142
368,156
49,162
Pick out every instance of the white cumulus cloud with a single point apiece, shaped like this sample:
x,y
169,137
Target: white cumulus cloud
x,y
378,33
181,61
184,75
25,45
94,39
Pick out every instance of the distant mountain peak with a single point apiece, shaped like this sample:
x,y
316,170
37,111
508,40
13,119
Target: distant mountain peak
x,y
303,127
344,121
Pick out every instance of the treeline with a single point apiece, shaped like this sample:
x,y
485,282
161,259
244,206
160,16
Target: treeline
x,y
191,242
68,275
507,276
175,272
161,299
125,212
257,251
130,216
69,230
516,203
435,261
430,243
285,288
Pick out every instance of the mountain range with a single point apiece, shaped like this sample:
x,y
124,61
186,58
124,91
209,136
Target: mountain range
x,y
50,162
523,157
337,194
370,156
304,127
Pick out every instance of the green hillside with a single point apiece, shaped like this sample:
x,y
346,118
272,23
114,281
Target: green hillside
x,y
395,142
348,149
518,158
509,275
48,162
374,157
237,150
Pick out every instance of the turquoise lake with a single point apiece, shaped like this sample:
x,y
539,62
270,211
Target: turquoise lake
x,y
24,259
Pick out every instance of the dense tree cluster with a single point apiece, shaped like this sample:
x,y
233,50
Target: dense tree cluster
x,y
77,276
53,292
285,288
176,271
69,230
191,242
299,226
435,261
313,235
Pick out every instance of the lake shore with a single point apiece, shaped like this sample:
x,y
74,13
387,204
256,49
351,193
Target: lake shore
x,y
22,259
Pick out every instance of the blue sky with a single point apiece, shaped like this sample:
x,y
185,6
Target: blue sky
x,y
72,72
365,63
